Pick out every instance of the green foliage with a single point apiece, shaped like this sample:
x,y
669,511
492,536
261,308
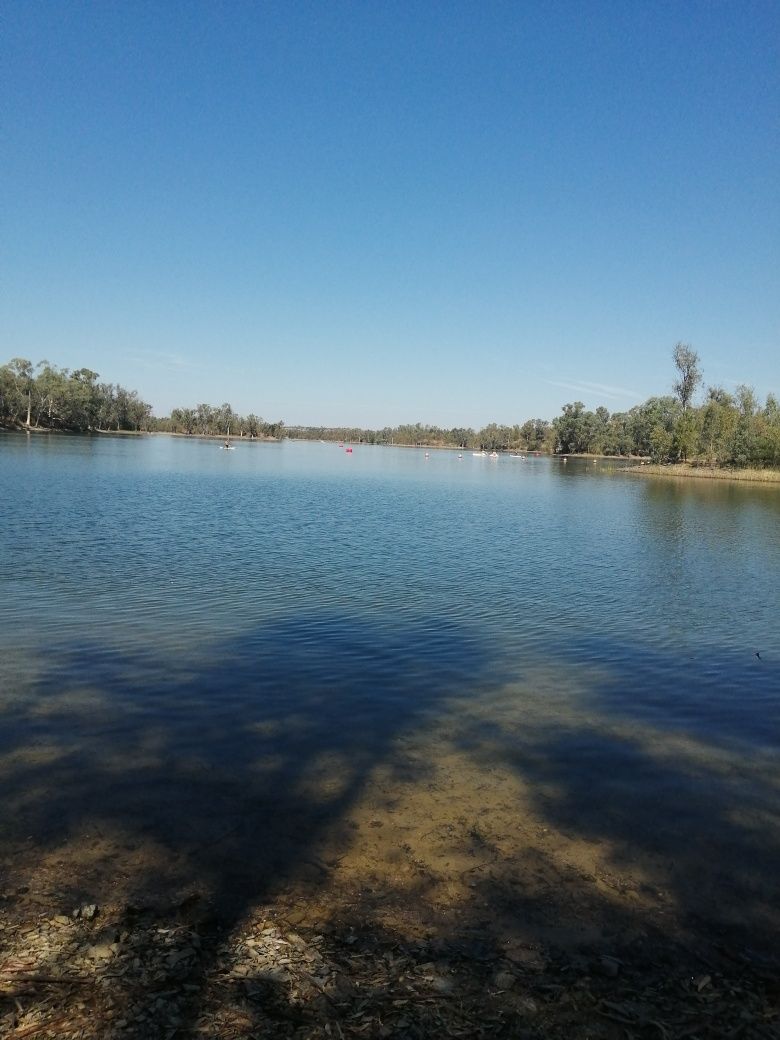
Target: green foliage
x,y
209,421
686,362
57,399
685,437
661,442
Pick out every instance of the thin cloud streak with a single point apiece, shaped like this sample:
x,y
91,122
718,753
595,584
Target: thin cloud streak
x,y
615,393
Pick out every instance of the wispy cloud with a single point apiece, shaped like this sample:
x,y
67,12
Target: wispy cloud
x,y
615,393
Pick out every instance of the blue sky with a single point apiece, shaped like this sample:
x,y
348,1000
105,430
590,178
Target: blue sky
x,y
374,213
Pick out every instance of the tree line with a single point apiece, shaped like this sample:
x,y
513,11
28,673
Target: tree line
x,y
727,428
45,396
58,399
532,435
221,421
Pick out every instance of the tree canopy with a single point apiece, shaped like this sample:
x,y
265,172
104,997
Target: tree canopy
x,y
58,399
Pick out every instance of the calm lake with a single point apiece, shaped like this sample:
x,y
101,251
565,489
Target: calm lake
x,y
245,660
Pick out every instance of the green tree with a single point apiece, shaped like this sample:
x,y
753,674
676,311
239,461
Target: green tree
x,y
660,443
83,399
685,436
22,371
568,428
686,362
719,417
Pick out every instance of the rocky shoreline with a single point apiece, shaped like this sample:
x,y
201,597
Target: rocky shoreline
x,y
299,969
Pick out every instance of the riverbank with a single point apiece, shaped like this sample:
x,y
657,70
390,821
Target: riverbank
x,y
441,901
299,970
681,469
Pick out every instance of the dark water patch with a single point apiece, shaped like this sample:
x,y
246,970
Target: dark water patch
x,y
272,736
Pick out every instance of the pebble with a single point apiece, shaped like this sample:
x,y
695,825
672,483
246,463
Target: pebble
x,y
443,985
504,979
86,912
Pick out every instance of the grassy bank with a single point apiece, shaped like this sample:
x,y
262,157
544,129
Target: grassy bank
x,y
681,469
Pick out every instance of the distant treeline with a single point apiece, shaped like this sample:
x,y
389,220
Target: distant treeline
x,y
726,429
205,419
533,435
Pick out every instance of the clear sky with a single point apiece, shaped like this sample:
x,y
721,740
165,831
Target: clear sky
x,y
372,213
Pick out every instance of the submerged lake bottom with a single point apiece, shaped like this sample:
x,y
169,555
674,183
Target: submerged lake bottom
x,y
395,748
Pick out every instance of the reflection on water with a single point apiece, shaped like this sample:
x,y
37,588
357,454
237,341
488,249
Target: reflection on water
x,y
246,660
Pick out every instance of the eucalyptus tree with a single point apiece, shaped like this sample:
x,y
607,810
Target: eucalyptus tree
x,y
686,362
718,426
12,402
768,433
571,429
52,395
203,417
22,371
225,419
745,433
652,424
494,437
83,399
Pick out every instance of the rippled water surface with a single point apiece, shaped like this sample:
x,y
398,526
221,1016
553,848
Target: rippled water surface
x,y
168,606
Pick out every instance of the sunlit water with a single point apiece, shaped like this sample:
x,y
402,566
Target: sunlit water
x,y
167,607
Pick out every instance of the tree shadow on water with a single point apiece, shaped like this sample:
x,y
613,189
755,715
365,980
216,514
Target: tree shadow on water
x,y
669,769
217,778
262,742
189,792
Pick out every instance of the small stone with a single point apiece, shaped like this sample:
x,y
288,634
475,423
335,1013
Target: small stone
x,y
525,957
504,979
89,911
443,984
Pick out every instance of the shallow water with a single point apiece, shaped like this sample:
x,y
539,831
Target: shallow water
x,y
191,639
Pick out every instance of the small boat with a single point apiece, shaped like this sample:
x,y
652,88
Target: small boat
x,y
479,454
521,457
